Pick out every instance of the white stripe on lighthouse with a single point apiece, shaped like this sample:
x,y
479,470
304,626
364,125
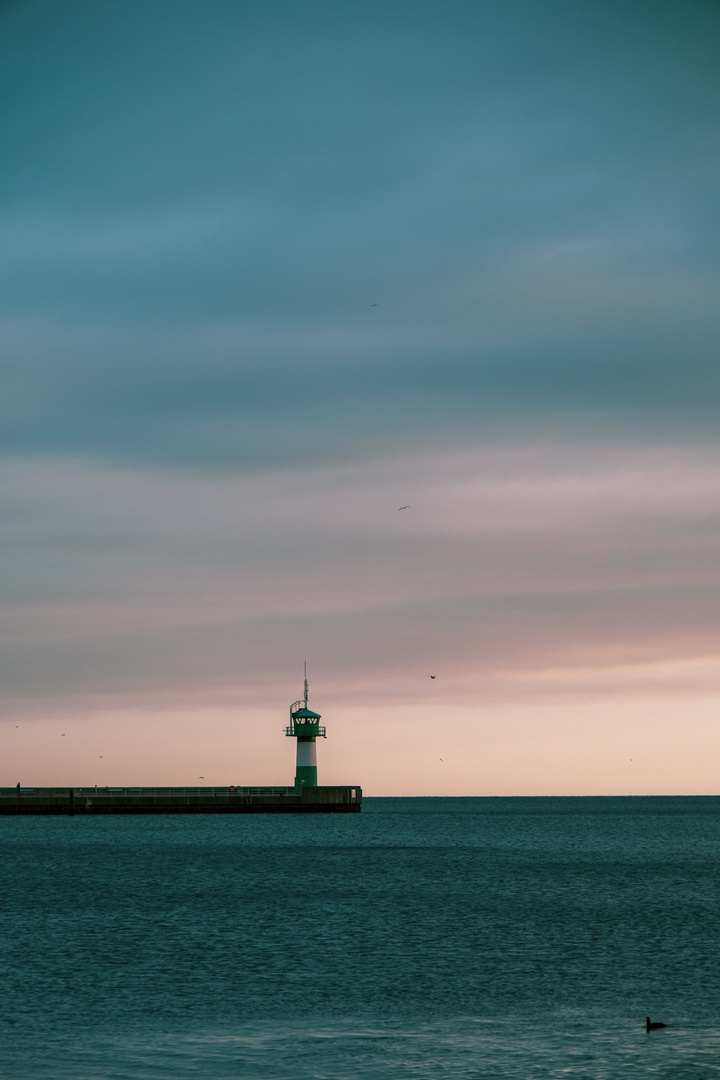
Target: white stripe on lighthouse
x,y
306,752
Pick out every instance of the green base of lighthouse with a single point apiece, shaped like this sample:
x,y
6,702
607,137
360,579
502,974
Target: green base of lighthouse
x,y
306,776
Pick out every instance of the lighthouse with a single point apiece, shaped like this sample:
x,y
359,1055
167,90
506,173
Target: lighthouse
x,y
306,728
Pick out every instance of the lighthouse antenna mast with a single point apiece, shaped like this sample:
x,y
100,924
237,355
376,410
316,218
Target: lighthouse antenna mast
x,y
306,688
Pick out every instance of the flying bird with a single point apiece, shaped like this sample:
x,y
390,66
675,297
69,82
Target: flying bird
x,y
431,676
404,507
201,777
373,305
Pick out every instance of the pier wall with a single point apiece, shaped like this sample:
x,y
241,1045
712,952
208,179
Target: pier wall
x,y
68,801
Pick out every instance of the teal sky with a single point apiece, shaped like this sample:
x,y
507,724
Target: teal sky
x,y
269,271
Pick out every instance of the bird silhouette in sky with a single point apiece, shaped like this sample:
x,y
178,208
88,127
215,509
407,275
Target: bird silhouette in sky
x,y
431,676
404,507
201,777
373,305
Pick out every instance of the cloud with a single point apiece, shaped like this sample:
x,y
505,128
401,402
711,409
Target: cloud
x,y
204,202
535,567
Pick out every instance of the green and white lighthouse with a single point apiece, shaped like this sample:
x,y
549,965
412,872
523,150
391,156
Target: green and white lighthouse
x,y
306,728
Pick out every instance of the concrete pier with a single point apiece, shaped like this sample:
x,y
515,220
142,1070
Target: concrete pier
x,y
68,801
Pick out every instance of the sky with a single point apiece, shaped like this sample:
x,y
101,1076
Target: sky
x,y
269,272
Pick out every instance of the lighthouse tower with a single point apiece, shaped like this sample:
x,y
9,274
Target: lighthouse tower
x,y
305,727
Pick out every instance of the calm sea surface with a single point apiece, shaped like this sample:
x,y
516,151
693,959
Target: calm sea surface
x,y
423,938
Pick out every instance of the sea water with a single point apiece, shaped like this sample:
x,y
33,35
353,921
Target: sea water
x,y
424,938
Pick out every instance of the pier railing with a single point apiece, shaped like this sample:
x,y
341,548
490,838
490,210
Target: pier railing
x,y
81,792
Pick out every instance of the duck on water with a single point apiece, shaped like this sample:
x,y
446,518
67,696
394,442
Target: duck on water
x,y
651,1025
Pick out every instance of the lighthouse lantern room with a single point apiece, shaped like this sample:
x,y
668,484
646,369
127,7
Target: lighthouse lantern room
x,y
306,728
